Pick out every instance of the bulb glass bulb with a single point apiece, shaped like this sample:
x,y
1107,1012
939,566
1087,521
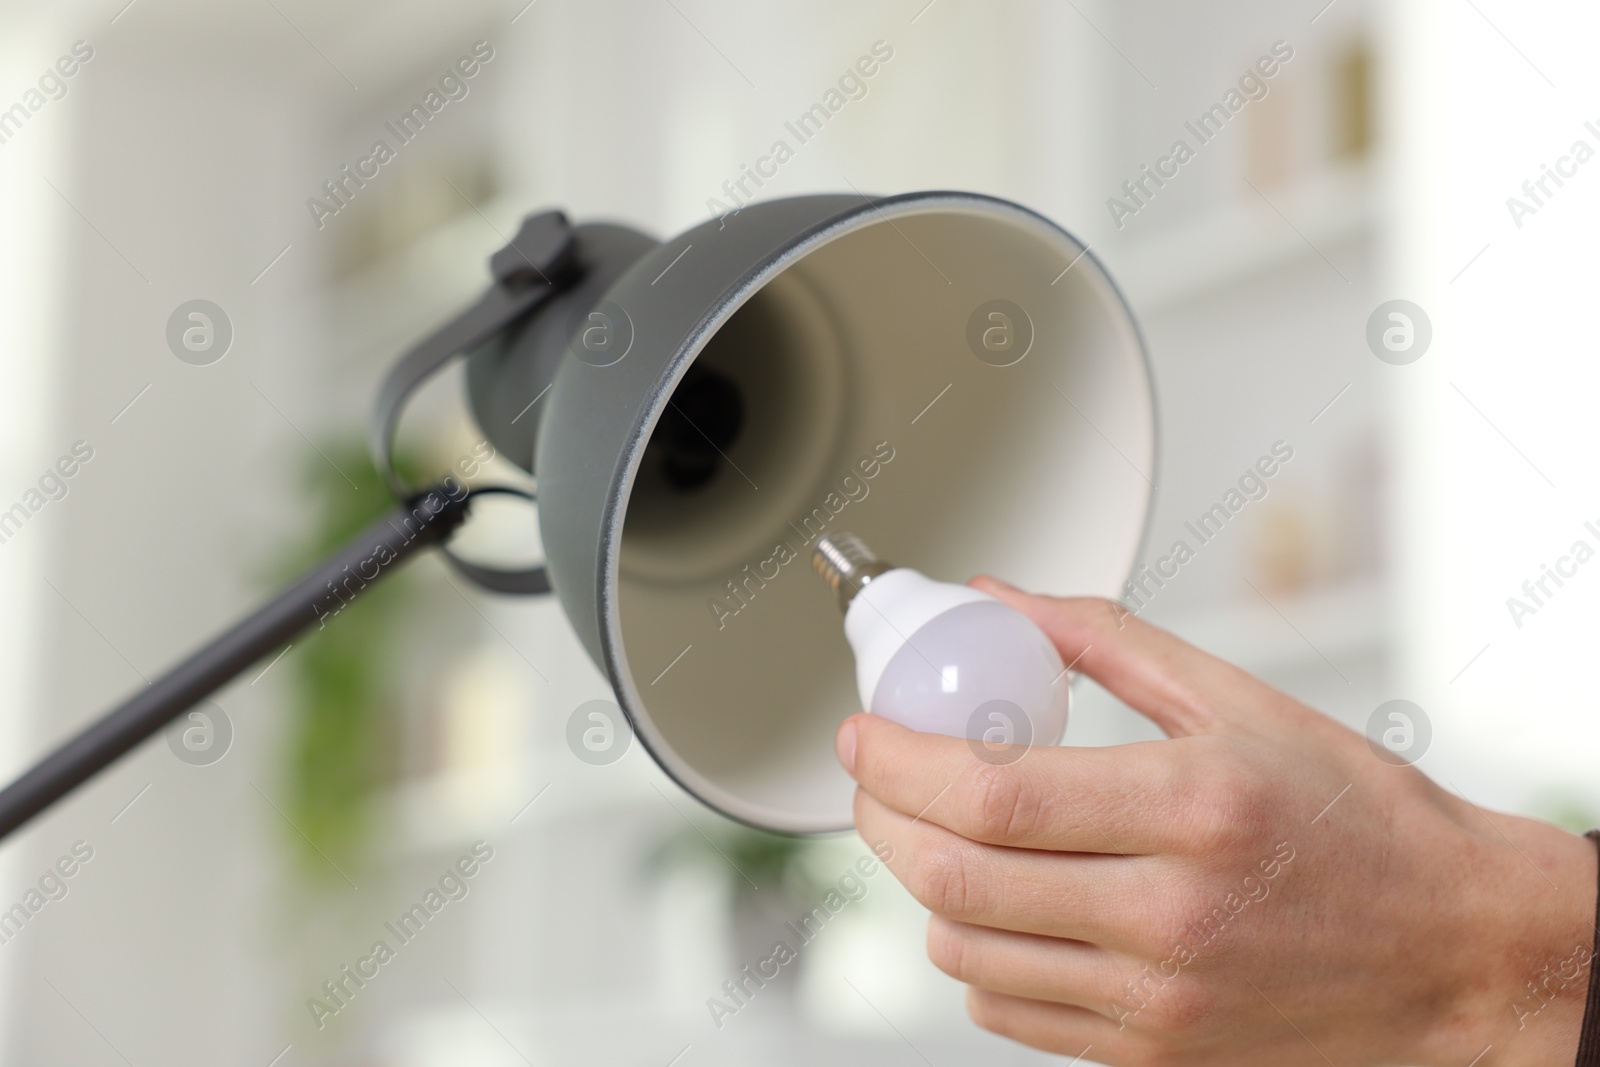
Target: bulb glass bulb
x,y
979,670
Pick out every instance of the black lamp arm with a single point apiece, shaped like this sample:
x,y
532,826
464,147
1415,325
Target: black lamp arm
x,y
424,521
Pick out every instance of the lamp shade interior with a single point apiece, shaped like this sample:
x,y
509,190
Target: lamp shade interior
x,y
865,382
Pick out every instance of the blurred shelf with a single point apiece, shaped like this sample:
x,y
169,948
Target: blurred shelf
x,y
1343,623
1249,237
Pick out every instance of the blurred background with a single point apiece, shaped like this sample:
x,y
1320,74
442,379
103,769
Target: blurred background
x,y
327,791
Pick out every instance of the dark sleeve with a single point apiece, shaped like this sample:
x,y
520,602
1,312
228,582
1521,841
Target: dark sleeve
x,y
1589,1039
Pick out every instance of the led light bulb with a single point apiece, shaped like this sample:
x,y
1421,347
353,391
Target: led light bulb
x,y
943,658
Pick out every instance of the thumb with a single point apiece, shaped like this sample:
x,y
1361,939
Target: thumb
x,y
1177,686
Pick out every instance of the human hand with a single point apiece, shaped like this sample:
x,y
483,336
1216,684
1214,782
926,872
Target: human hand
x,y
1258,889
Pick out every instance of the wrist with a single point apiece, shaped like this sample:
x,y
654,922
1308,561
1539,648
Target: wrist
x,y
1528,943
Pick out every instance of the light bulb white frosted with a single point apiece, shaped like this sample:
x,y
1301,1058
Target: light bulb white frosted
x,y
963,672
947,659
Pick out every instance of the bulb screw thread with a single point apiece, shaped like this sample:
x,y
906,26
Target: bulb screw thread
x,y
845,562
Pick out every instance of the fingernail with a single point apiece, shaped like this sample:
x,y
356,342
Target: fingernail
x,y
844,745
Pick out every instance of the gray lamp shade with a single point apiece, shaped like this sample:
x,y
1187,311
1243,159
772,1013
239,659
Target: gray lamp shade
x,y
951,376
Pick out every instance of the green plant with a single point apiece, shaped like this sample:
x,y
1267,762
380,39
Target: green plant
x,y
344,735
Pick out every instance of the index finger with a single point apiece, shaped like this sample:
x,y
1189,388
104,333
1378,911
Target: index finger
x,y
1124,799
1179,687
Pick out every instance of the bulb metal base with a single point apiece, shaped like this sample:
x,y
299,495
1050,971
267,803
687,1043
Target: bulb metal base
x,y
845,562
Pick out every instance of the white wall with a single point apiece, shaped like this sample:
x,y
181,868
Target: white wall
x,y
1496,420
32,433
